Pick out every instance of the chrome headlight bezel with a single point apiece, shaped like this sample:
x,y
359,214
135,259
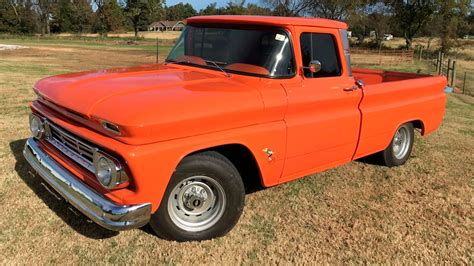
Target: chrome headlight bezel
x,y
108,171
37,126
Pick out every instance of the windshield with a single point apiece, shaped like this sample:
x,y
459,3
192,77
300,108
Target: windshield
x,y
262,51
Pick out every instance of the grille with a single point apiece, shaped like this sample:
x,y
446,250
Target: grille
x,y
74,148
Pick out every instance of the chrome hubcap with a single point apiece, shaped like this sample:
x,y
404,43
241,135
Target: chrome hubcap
x,y
196,203
401,143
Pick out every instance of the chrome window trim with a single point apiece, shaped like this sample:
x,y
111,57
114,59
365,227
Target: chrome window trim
x,y
347,53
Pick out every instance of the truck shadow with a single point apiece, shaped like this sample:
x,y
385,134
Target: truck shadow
x,y
374,159
57,204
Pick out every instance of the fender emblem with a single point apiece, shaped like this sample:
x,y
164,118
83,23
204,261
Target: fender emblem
x,y
269,153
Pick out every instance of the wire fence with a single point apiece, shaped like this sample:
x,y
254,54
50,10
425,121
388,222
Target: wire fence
x,y
460,82
466,83
381,57
459,79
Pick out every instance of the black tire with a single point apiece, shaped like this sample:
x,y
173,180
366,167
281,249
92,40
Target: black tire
x,y
394,157
219,172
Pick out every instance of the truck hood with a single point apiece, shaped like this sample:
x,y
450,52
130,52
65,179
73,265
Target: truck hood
x,y
155,102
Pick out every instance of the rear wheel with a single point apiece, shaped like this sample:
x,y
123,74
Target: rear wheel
x,y
204,199
399,150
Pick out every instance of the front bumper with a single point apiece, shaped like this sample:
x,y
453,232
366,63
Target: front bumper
x,y
95,206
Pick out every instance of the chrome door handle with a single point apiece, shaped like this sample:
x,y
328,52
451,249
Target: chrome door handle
x,y
358,85
353,88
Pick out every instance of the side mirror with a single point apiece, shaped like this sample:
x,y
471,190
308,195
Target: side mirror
x,y
314,66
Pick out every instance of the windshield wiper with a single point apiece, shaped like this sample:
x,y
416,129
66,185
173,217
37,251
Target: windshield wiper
x,y
216,64
167,61
219,67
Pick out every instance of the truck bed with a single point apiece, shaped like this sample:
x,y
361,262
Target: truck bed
x,y
370,76
392,98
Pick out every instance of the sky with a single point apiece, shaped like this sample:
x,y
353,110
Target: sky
x,y
200,4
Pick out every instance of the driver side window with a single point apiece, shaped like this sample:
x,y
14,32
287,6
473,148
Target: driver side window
x,y
321,47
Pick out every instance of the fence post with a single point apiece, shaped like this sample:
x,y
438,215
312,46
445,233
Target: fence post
x,y
438,63
448,71
441,64
157,49
464,83
421,53
453,75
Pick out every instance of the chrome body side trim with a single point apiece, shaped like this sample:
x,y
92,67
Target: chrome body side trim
x,y
92,204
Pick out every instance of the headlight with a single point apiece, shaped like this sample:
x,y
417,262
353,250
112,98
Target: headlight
x,y
36,126
105,171
109,172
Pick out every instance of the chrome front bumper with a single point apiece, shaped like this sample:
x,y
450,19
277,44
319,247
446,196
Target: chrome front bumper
x,y
95,206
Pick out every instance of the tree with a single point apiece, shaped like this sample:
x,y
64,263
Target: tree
x,y
335,9
470,23
288,8
44,9
410,16
108,17
210,9
141,13
380,25
451,15
235,8
83,16
253,9
360,26
9,17
179,12
72,16
431,30
27,17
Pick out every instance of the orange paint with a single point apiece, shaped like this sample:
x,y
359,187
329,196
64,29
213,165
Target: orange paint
x,y
166,112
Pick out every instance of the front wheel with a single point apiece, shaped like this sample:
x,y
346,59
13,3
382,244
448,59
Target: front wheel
x,y
204,199
399,150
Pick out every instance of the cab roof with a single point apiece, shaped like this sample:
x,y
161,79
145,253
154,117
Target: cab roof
x,y
270,20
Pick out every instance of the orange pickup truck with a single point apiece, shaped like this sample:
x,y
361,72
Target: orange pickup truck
x,y
239,100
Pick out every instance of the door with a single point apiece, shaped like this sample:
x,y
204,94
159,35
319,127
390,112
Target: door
x,y
323,118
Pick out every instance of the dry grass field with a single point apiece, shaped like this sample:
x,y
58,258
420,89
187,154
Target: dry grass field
x,y
421,212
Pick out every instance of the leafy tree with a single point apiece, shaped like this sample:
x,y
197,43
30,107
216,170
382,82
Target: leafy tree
x,y
108,17
142,12
451,15
380,25
470,23
210,9
335,9
253,9
44,9
431,30
27,17
235,8
9,17
83,16
180,11
72,16
288,8
410,16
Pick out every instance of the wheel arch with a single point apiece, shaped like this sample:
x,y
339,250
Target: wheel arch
x,y
243,159
418,124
